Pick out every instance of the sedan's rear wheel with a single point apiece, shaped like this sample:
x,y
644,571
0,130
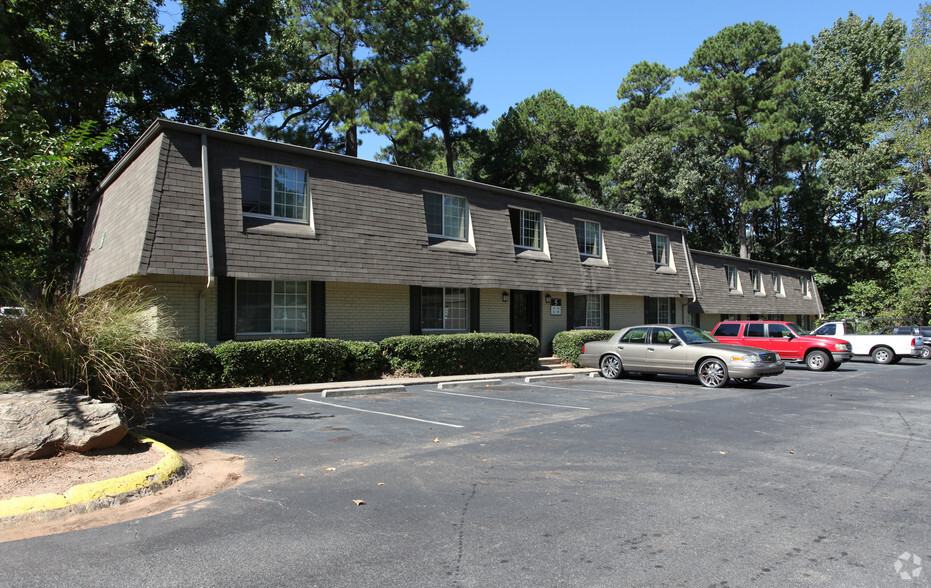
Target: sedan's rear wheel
x,y
611,366
712,373
817,361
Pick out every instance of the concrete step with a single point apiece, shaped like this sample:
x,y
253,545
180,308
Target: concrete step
x,y
549,363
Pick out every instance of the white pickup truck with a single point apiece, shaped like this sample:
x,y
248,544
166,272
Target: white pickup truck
x,y
882,348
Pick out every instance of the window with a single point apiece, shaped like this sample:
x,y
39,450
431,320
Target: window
x,y
588,234
660,245
447,216
444,309
780,331
586,311
757,278
659,310
732,284
806,287
754,330
662,336
777,284
527,228
271,307
638,335
274,190
727,330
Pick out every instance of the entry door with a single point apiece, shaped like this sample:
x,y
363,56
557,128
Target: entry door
x,y
525,312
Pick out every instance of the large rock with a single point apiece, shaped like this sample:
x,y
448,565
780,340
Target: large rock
x,y
39,423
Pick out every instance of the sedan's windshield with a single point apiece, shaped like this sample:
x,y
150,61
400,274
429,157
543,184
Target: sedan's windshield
x,y
693,336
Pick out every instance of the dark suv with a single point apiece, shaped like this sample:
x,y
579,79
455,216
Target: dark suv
x,y
790,341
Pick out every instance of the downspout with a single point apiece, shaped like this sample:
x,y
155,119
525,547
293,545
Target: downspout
x,y
208,229
688,266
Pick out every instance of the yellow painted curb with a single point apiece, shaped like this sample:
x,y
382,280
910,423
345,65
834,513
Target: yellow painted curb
x,y
160,473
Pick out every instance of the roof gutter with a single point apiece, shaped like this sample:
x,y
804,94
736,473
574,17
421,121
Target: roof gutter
x,y
208,225
688,266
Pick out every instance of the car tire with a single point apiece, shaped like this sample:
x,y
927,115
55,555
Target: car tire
x,y
611,367
882,355
818,361
746,381
712,373
925,352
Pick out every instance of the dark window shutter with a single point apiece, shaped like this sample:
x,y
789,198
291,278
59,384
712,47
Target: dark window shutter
x,y
606,311
649,310
318,309
226,308
415,311
570,300
474,310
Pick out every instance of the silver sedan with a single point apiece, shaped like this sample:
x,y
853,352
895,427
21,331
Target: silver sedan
x,y
679,350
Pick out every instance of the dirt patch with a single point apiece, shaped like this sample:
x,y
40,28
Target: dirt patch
x,y
208,472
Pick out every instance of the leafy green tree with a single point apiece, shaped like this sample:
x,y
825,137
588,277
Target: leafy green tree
x,y
745,83
546,146
351,64
848,93
639,136
216,57
37,171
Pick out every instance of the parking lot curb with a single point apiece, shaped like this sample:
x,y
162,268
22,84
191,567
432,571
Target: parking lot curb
x,y
334,392
84,497
468,383
532,379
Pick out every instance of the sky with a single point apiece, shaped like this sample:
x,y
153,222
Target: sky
x,y
584,48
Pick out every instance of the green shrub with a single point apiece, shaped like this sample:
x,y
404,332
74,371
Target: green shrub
x,y
567,345
365,360
276,362
467,353
111,344
197,367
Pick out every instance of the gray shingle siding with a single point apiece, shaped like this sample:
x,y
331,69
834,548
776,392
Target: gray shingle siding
x,y
716,298
368,226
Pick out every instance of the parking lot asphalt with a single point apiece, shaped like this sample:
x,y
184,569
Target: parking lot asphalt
x,y
806,478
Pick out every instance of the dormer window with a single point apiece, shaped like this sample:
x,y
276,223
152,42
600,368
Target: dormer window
x,y
527,228
588,235
660,245
447,216
274,191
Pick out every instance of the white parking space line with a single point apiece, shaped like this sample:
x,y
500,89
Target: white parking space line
x,y
397,416
509,400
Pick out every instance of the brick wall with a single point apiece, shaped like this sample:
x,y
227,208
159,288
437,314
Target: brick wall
x,y
366,312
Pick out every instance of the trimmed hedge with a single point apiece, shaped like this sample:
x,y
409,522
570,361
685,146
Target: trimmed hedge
x,y
365,360
197,367
467,353
567,345
282,361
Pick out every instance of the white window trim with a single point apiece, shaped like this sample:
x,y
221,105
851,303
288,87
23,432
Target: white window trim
x,y
444,329
284,219
806,288
737,289
271,287
469,237
778,285
663,268
544,245
762,289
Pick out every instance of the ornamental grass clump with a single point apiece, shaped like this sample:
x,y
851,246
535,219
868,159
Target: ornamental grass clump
x,y
111,345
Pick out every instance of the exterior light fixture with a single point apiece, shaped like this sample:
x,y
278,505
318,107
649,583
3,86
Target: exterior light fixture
x,y
548,298
505,297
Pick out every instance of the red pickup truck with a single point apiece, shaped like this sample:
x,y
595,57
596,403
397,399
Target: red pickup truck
x,y
789,340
